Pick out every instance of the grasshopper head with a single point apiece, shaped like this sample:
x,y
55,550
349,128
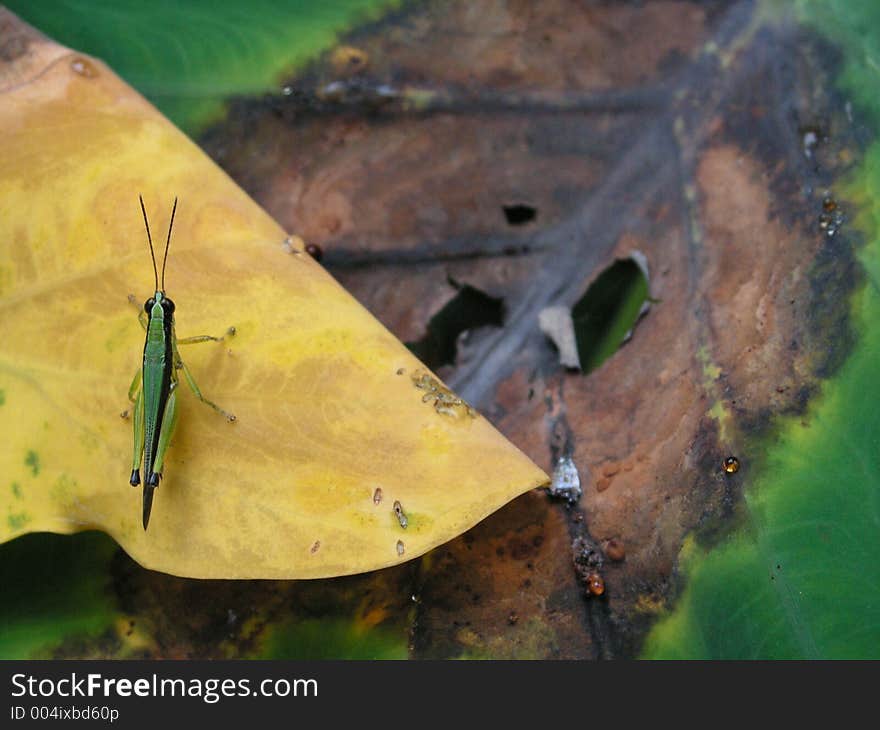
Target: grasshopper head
x,y
167,304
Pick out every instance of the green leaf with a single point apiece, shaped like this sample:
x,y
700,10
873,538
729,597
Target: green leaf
x,y
190,58
606,313
56,590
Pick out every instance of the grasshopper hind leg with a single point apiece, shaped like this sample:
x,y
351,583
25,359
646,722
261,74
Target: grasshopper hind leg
x,y
137,453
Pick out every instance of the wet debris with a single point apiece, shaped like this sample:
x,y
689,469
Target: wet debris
x,y
316,545
812,135
595,584
588,563
400,547
444,400
377,495
358,92
831,218
401,515
566,481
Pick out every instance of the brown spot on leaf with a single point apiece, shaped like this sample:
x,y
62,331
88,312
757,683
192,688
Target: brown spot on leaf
x,y
615,549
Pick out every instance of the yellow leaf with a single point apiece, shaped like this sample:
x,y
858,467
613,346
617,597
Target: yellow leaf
x,y
331,408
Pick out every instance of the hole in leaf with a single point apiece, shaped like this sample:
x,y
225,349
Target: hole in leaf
x,y
519,214
604,316
467,310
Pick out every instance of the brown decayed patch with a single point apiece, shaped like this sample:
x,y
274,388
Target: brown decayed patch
x,y
369,185
753,269
515,563
362,183
555,45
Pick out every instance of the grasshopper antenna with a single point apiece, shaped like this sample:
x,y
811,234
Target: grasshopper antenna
x,y
168,243
149,238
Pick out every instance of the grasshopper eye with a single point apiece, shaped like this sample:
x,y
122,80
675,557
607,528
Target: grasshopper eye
x,y
148,305
168,306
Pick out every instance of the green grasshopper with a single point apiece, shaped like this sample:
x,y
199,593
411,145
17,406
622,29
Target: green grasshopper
x,y
153,390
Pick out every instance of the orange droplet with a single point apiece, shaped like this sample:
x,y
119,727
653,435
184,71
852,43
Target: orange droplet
x,y
731,465
595,584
